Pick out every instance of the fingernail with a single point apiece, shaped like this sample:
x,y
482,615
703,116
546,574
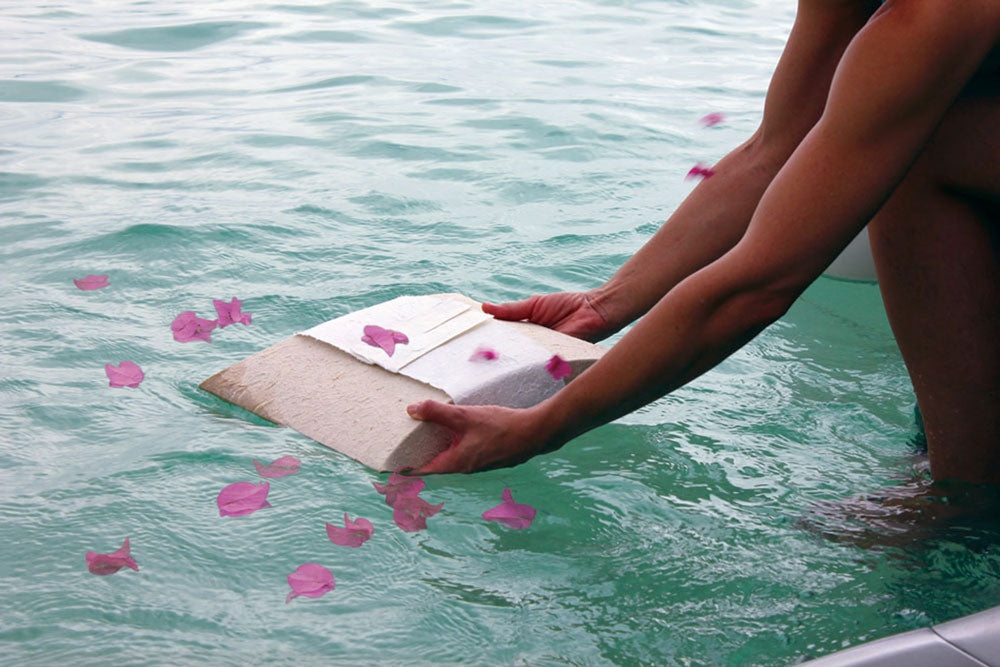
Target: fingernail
x,y
412,410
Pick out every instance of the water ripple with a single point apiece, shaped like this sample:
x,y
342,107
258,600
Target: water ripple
x,y
334,82
316,158
335,36
470,26
17,90
182,37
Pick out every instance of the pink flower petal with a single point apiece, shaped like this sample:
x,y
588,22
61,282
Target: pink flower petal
x,y
484,353
242,498
126,374
558,367
511,514
92,282
411,514
713,118
384,338
229,313
400,486
110,563
188,327
311,580
286,465
700,170
353,534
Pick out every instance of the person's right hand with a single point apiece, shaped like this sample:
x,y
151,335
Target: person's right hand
x,y
483,436
572,313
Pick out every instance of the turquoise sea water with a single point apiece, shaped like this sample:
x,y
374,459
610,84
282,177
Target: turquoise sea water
x,y
315,158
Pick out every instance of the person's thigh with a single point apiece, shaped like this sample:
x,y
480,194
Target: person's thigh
x,y
964,154
936,244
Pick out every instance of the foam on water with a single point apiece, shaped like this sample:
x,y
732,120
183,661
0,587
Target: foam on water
x,y
316,158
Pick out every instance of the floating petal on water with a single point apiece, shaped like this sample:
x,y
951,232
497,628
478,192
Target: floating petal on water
x,y
353,534
411,514
188,327
311,580
242,498
511,514
400,486
91,282
230,313
110,563
286,465
126,374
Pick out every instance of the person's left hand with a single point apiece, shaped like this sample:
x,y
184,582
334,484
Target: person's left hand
x,y
485,436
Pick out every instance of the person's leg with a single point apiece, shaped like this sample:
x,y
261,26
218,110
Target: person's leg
x,y
936,244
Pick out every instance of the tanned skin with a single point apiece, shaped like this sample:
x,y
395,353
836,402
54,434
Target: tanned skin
x,y
881,116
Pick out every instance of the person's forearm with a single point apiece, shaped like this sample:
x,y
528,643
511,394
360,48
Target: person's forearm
x,y
694,327
812,208
716,214
874,127
705,226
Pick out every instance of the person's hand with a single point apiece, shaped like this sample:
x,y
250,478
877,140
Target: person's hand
x,y
572,313
485,436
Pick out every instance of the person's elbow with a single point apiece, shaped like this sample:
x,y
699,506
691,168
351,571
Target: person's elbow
x,y
761,306
750,295
753,305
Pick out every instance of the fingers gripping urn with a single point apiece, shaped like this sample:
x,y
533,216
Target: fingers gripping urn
x,y
346,383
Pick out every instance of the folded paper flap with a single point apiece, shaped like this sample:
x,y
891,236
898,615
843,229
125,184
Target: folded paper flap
x,y
518,366
435,339
427,322
441,331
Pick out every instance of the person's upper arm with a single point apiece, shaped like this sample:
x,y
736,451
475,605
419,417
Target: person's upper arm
x,y
905,69
798,90
895,83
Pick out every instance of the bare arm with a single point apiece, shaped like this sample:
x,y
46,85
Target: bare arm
x,y
716,213
895,83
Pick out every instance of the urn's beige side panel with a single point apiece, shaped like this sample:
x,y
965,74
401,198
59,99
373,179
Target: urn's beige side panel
x,y
352,407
